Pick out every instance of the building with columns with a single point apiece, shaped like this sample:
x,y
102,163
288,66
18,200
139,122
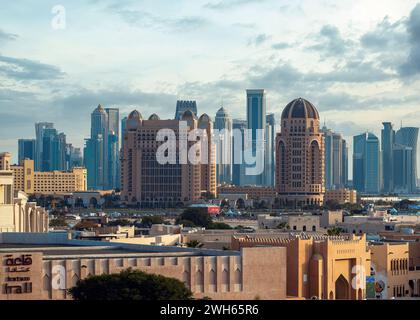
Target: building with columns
x,y
300,156
16,213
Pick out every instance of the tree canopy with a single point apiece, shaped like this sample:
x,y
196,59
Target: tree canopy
x,y
130,285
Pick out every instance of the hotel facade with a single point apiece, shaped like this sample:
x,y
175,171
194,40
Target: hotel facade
x,y
148,183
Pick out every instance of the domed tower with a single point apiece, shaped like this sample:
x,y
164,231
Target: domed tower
x,y
300,156
208,153
223,125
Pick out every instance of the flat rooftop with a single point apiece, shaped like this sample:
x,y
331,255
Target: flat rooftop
x,y
55,252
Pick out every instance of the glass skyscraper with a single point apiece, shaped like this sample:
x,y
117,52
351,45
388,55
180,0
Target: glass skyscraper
x,y
26,149
223,123
256,122
102,151
367,163
387,146
39,134
270,150
408,137
238,127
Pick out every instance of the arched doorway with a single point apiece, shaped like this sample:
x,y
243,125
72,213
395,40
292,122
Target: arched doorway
x,y
341,288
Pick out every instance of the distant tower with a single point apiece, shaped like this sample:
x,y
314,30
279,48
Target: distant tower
x,y
387,145
367,163
256,122
408,136
223,123
26,149
182,106
300,155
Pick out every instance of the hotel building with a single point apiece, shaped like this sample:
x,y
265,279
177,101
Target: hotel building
x,y
28,180
300,156
148,183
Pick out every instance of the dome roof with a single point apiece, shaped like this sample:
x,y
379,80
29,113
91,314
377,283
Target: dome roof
x,y
204,118
135,115
300,108
188,114
154,117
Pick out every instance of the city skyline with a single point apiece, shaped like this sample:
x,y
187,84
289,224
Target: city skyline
x,y
339,45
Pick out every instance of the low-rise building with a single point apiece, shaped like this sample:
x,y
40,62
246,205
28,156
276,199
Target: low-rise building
x,y
341,196
396,270
56,264
16,213
295,222
31,181
318,266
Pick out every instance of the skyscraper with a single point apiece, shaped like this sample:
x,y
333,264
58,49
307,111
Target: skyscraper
x,y
403,169
182,106
238,172
54,148
256,123
359,142
300,156
39,133
113,148
26,149
223,123
387,145
270,158
408,137
336,157
367,176
96,150
372,165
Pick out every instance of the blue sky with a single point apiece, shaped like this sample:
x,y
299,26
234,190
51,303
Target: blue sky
x,y
358,61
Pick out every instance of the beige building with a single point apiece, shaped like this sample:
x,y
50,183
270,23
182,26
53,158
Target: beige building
x,y
55,264
31,181
16,213
148,183
341,196
398,266
253,192
318,266
295,222
300,156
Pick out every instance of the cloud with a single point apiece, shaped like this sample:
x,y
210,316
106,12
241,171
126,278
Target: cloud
x,y
386,35
281,45
230,4
330,43
412,65
4,36
25,69
145,19
259,39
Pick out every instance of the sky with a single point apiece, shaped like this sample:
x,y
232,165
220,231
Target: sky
x,y
357,61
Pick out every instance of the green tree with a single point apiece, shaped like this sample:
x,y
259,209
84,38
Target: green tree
x,y
194,244
219,226
59,222
120,222
130,285
334,231
148,221
197,217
